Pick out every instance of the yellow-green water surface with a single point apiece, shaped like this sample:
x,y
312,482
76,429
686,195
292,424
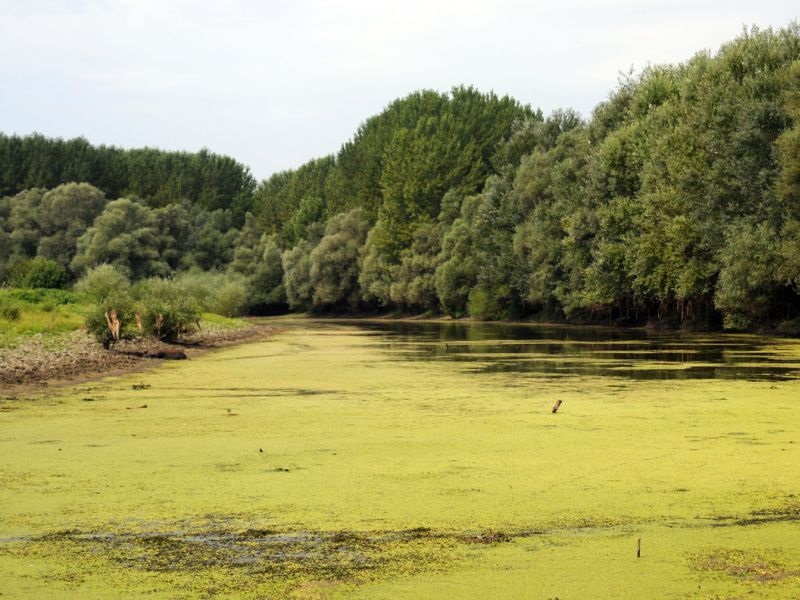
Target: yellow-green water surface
x,y
391,460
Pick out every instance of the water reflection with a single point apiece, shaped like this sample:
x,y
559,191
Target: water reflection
x,y
560,351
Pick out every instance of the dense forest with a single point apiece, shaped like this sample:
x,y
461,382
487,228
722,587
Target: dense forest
x,y
677,201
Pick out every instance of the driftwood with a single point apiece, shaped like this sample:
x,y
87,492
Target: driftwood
x,y
556,406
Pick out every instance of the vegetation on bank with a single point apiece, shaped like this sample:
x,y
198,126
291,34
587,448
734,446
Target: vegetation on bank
x,y
26,312
678,201
159,308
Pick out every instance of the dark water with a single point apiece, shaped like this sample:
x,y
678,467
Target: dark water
x,y
572,350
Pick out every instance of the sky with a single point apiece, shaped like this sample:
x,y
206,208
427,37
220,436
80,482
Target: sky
x,y
276,83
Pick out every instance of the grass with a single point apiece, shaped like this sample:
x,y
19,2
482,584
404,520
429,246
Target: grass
x,y
214,321
25,313
328,463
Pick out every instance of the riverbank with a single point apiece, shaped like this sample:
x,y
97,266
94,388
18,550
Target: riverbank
x,y
42,361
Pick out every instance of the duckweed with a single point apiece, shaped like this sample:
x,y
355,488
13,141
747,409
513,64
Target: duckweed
x,y
397,460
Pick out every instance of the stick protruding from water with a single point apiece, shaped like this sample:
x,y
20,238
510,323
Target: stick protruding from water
x,y
556,406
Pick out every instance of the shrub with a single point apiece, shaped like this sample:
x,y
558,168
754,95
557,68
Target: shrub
x,y
221,293
9,309
166,309
101,282
38,273
229,300
108,290
96,318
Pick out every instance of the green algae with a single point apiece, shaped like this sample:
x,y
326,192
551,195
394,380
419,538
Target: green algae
x,y
352,460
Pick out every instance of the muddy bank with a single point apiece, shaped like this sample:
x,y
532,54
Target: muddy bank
x,y
73,357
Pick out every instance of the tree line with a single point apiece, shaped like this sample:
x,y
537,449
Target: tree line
x,y
678,200
159,178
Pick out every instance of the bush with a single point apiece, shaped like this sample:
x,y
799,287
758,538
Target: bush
x,y
97,324
166,309
221,293
9,309
230,300
102,282
108,290
38,273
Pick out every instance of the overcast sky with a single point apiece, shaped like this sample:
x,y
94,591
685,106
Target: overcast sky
x,y
275,83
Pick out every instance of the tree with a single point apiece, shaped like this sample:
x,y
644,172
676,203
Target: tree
x,y
296,264
65,213
747,282
124,235
415,280
333,272
39,272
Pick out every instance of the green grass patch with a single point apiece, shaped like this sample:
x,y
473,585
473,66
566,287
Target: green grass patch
x,y
24,313
214,321
41,297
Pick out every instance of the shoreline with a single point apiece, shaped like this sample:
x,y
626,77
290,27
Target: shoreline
x,y
46,362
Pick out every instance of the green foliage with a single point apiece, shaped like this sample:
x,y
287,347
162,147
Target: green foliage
x,y
482,304
9,309
208,180
333,272
747,282
788,269
97,324
27,312
124,235
167,310
213,237
296,265
788,148
477,258
265,287
63,216
258,258
458,272
376,273
230,299
414,284
38,273
399,164
145,241
102,282
220,293
107,289
54,297
311,210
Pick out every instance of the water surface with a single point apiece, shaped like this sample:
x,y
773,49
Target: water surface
x,y
554,350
